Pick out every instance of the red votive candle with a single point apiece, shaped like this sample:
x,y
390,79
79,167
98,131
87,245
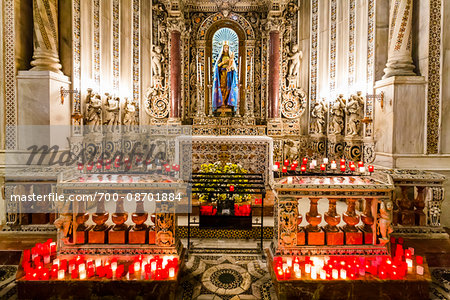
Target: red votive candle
x,y
303,168
342,168
286,162
284,169
419,260
342,161
305,161
323,167
295,163
231,188
293,167
352,167
371,169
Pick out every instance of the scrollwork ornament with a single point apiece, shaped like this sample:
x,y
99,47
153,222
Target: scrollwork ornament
x,y
293,103
157,102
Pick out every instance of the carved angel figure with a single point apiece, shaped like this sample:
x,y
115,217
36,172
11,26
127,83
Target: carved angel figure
x,y
385,222
129,118
112,112
93,110
294,60
354,109
319,114
157,60
337,115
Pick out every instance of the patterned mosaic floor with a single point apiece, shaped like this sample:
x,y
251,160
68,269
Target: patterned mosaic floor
x,y
225,277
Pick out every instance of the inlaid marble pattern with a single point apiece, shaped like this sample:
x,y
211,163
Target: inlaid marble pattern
x,y
314,53
10,75
434,77
225,277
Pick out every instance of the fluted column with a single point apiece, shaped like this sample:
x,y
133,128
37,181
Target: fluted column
x,y
175,74
274,75
400,39
45,36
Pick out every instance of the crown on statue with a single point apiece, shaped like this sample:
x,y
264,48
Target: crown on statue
x,y
225,43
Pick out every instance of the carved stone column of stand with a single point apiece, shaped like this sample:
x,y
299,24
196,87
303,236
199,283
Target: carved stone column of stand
x,y
82,230
152,230
138,233
352,235
406,205
334,236
419,204
315,235
98,234
118,233
368,220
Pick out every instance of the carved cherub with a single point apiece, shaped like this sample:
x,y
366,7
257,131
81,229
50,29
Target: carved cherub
x,y
157,60
294,60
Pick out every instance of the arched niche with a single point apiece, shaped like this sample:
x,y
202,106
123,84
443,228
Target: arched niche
x,y
246,51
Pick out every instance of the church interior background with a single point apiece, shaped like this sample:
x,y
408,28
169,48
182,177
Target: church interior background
x,y
300,145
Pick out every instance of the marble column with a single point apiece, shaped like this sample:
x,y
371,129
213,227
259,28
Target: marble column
x,y
175,74
45,36
400,39
274,75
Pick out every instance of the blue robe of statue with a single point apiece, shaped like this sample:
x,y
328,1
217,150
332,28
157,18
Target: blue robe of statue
x,y
225,88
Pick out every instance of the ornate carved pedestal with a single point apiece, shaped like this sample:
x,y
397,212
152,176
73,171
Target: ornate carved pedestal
x,y
137,234
406,204
315,235
98,234
152,230
419,204
368,220
334,236
118,233
352,235
82,229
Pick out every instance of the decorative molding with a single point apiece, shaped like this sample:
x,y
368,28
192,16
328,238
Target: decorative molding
x,y
351,42
371,43
434,78
250,35
332,45
96,37
136,53
116,45
76,71
314,53
10,76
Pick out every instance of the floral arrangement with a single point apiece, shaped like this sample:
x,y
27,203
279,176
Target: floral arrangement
x,y
224,168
